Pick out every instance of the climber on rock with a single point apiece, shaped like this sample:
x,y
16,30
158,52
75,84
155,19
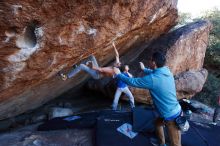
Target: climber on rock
x,y
123,88
160,82
95,71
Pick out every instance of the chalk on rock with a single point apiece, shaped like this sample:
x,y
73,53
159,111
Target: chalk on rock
x,y
28,39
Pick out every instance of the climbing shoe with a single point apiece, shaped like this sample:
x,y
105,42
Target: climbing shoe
x,y
63,76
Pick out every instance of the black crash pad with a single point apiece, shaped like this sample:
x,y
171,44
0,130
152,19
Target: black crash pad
x,y
107,134
106,123
201,134
144,119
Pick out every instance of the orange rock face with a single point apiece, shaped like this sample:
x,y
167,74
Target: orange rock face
x,y
40,38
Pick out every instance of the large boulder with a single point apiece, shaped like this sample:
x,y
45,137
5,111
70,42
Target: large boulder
x,y
190,82
184,48
40,38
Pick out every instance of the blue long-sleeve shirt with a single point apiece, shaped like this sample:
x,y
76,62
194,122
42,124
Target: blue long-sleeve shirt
x,y
161,85
120,83
148,71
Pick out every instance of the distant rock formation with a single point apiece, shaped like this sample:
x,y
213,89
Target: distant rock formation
x,y
190,82
40,38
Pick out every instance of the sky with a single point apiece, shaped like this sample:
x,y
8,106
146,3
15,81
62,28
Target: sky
x,y
195,7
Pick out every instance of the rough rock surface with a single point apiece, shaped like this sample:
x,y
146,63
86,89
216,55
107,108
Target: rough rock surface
x,y
190,82
28,136
40,38
185,50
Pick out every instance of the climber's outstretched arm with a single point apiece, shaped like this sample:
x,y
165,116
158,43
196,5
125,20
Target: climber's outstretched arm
x,y
117,61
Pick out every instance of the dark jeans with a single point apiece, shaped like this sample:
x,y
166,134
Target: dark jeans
x,y
173,132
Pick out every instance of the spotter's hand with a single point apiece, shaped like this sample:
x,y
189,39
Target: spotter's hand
x,y
142,65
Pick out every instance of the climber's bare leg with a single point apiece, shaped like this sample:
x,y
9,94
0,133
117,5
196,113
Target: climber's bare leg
x,y
108,71
105,71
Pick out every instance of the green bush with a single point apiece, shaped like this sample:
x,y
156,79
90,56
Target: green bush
x,y
210,91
